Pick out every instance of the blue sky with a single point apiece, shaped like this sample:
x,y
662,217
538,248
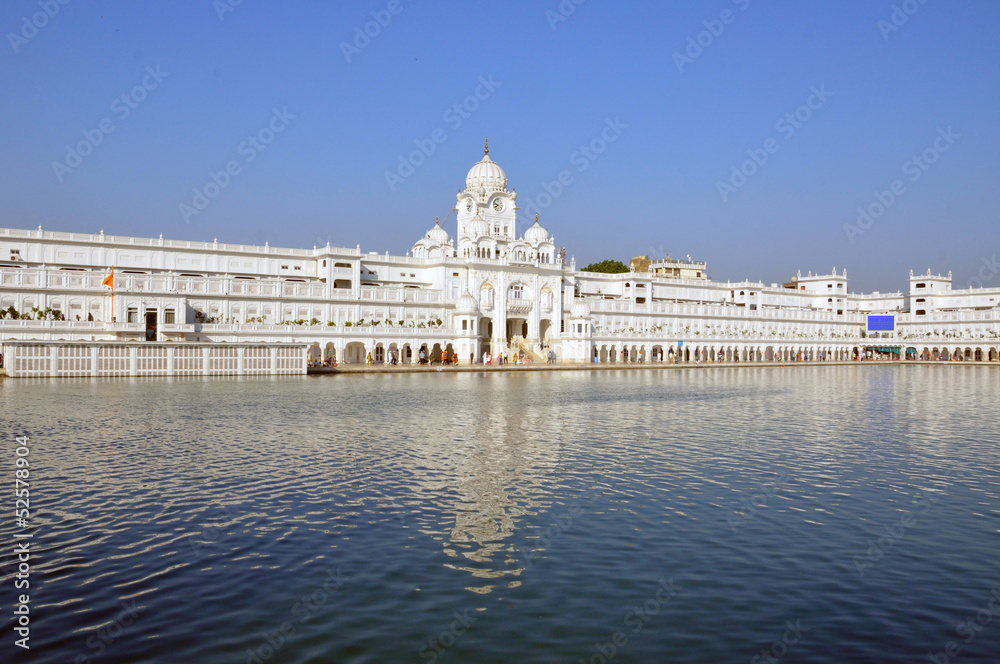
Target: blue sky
x,y
200,80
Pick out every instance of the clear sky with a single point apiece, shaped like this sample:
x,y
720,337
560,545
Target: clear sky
x,y
164,94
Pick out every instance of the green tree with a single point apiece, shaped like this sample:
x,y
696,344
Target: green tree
x,y
609,266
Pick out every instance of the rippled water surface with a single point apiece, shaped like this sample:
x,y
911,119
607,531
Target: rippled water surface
x,y
821,514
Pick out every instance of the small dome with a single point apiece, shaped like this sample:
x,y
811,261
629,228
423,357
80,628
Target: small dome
x,y
438,234
580,309
536,234
486,174
477,227
466,304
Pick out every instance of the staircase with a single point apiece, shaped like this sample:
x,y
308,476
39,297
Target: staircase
x,y
523,348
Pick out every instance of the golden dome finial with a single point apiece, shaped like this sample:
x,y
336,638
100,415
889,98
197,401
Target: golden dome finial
x,y
536,217
487,149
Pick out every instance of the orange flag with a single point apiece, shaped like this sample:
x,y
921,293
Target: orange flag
x,y
109,280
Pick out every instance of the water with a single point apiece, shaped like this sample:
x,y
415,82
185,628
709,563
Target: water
x,y
826,514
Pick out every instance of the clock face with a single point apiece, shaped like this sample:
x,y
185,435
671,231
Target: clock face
x,y
498,205
468,205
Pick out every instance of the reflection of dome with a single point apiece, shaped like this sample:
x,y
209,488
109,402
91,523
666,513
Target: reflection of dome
x,y
477,227
580,309
466,304
536,234
438,234
486,174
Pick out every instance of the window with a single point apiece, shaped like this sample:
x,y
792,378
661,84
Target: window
x,y
132,315
169,316
298,267
517,292
324,262
465,324
284,267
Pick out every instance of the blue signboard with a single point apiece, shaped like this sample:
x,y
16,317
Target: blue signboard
x,y
881,323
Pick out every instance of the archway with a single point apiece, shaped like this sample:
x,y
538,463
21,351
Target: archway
x,y
485,332
354,353
545,331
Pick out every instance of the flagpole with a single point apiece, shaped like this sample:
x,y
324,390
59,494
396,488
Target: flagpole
x,y
112,294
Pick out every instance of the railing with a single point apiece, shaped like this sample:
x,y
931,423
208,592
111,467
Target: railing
x,y
213,247
322,329
601,306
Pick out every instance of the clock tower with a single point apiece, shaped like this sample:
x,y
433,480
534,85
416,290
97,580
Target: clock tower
x,y
485,207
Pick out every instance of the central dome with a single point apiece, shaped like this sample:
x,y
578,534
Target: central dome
x,y
486,174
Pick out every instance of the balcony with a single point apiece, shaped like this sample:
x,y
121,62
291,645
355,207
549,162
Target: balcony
x,y
520,306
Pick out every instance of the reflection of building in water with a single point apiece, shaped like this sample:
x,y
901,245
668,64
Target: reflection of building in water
x,y
499,476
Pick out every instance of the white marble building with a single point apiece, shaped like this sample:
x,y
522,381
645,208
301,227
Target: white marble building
x,y
484,289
